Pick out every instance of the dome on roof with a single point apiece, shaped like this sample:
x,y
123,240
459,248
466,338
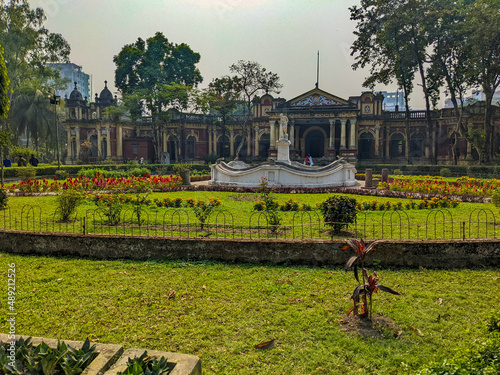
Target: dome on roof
x,y
75,94
106,95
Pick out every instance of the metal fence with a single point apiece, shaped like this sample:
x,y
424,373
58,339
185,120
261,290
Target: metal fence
x,y
181,223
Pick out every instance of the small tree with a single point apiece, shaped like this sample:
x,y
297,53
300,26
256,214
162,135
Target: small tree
x,y
67,203
338,212
270,205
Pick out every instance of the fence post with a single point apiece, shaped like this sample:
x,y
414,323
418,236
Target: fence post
x,y
463,230
84,226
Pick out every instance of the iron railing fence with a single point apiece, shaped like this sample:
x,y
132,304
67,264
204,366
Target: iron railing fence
x,y
181,223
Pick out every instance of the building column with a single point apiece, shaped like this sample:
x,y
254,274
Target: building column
x,y
99,140
352,140
210,151
231,143
272,135
68,146
292,134
77,131
342,134
331,145
297,140
249,143
119,142
214,140
377,141
256,151
108,142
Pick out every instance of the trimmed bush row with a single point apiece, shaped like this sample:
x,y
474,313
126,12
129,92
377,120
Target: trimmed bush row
x,y
164,169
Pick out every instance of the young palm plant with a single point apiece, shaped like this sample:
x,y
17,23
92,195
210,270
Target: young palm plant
x,y
362,296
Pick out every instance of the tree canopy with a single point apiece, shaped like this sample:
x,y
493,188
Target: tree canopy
x,y
4,87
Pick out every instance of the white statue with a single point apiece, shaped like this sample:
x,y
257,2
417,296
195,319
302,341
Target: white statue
x,y
283,126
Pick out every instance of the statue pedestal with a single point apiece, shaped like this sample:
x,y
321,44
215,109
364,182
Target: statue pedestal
x,y
283,146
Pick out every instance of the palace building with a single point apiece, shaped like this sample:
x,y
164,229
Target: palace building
x,y
321,124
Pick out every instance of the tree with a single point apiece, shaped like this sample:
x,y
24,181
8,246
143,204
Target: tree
x,y
395,34
253,80
28,44
4,87
483,29
223,96
155,76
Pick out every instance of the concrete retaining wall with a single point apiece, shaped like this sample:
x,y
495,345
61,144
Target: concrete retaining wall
x,y
409,254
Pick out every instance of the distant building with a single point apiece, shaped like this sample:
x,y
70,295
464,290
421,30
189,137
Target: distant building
x,y
477,96
391,99
76,75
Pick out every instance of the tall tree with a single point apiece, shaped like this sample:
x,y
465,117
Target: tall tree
x,y
483,28
223,96
4,87
409,22
154,76
28,44
253,80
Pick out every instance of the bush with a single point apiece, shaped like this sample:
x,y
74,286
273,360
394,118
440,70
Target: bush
x,y
4,198
495,198
62,175
397,172
67,203
445,172
138,171
26,173
338,212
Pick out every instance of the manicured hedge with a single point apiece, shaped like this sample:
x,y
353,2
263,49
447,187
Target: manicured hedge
x,y
74,169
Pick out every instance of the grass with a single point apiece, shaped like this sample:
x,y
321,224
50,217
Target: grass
x,y
237,208
220,311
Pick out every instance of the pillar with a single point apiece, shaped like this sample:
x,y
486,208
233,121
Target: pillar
x,y
256,151
297,140
214,139
119,142
377,141
210,151
331,145
342,134
272,135
99,140
352,140
69,148
77,131
292,134
249,143
108,143
231,143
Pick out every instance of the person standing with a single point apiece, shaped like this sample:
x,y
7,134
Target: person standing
x,y
307,161
7,163
311,163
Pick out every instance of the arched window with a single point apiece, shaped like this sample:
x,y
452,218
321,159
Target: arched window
x,y
366,146
417,145
397,145
264,144
191,147
223,146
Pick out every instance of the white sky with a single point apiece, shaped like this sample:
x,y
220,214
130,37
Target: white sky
x,y
282,35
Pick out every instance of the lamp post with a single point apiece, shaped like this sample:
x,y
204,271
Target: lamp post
x,y
56,100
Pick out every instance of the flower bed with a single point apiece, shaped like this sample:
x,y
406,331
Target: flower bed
x,y
99,183
462,186
421,204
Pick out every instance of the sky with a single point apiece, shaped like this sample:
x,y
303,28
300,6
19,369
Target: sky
x,y
284,36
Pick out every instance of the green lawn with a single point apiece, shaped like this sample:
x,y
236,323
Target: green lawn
x,y
220,311
475,219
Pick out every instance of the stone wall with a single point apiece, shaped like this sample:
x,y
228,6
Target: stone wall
x,y
408,254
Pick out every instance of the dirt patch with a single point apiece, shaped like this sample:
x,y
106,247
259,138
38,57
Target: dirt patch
x,y
379,328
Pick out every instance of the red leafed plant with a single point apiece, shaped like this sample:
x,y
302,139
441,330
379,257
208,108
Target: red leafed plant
x,y
363,293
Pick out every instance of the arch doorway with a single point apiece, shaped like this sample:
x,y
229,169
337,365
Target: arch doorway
x,y
315,144
417,145
172,148
366,146
397,146
264,144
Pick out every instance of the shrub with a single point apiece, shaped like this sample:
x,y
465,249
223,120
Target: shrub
x,y
445,172
270,205
495,197
110,206
26,173
146,364
67,203
4,198
62,175
138,171
338,212
398,172
202,209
